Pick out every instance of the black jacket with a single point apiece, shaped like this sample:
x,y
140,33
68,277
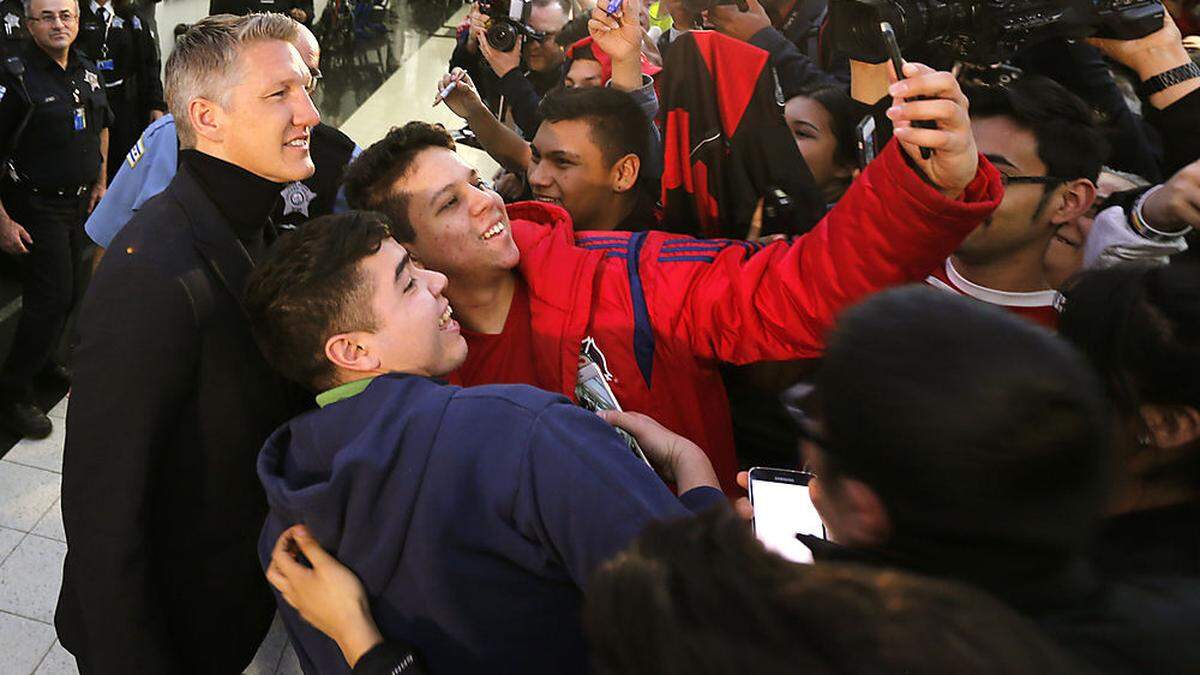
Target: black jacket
x,y
1137,626
171,401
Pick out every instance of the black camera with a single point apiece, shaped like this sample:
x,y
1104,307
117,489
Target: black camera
x,y
982,32
508,19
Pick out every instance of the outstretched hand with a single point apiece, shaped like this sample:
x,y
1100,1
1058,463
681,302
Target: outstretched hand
x,y
955,159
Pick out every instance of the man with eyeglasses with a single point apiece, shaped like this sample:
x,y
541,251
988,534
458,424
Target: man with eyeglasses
x,y
151,164
526,72
1049,150
54,122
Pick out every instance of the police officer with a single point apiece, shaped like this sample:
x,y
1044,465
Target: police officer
x,y
113,37
54,123
14,34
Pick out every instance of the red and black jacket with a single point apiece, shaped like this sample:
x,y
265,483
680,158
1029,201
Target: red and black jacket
x,y
725,139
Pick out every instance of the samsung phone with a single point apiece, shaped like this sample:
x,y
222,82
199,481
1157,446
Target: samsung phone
x,y
783,509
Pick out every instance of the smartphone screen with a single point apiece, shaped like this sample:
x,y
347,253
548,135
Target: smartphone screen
x,y
783,509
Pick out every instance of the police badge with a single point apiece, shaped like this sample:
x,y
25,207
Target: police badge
x,y
296,198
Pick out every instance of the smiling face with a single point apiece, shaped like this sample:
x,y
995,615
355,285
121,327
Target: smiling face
x,y
264,128
48,30
413,329
1021,221
461,225
569,169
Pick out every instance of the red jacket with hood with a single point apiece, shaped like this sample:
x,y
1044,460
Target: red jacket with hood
x,y
666,309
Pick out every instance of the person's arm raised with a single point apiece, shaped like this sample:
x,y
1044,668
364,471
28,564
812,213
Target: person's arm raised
x,y
1152,55
503,144
901,217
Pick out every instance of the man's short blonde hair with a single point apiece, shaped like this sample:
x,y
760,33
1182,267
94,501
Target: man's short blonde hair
x,y
204,63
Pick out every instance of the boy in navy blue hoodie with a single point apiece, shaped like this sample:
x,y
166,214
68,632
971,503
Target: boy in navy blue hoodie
x,y
473,516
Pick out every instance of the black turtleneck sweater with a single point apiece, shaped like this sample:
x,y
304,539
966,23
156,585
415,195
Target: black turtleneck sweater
x,y
246,200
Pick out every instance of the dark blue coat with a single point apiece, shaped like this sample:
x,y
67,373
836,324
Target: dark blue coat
x,y
474,517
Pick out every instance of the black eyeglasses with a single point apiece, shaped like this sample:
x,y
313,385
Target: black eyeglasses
x,y
66,18
807,428
1007,180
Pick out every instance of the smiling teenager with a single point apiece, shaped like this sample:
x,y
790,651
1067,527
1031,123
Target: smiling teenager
x,y
660,312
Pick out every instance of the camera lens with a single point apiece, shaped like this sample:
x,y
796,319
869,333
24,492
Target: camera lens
x,y
502,36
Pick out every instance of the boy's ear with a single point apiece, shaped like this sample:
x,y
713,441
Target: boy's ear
x,y
347,351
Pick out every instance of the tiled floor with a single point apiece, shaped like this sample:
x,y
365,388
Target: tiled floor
x,y
32,544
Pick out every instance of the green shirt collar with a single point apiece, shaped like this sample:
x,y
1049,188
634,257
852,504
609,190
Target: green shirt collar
x,y
343,392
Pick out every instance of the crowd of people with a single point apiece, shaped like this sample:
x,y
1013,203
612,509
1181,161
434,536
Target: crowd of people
x,y
351,386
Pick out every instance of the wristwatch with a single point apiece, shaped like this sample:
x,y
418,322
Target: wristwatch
x,y
1169,79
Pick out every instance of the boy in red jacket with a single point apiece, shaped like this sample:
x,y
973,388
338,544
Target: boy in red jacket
x,y
658,312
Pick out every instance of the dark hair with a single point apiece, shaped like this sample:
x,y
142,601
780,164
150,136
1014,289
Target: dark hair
x,y
575,30
308,288
618,126
1139,325
841,109
369,180
978,429
1069,140
702,596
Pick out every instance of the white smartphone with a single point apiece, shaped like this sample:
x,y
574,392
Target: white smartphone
x,y
783,509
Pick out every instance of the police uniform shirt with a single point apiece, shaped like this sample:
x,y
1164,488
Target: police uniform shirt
x,y
122,48
60,146
14,35
153,160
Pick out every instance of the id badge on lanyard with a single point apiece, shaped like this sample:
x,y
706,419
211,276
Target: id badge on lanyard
x,y
104,64
80,118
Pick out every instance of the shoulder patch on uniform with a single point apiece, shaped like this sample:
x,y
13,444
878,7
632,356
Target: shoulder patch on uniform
x,y
135,153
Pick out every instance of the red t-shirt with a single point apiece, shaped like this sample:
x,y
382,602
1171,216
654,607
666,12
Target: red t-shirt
x,y
504,358
1038,306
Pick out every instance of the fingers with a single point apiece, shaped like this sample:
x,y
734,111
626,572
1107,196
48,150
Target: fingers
x,y
938,110
743,480
278,579
602,23
928,138
310,547
281,557
629,421
743,508
924,81
24,235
